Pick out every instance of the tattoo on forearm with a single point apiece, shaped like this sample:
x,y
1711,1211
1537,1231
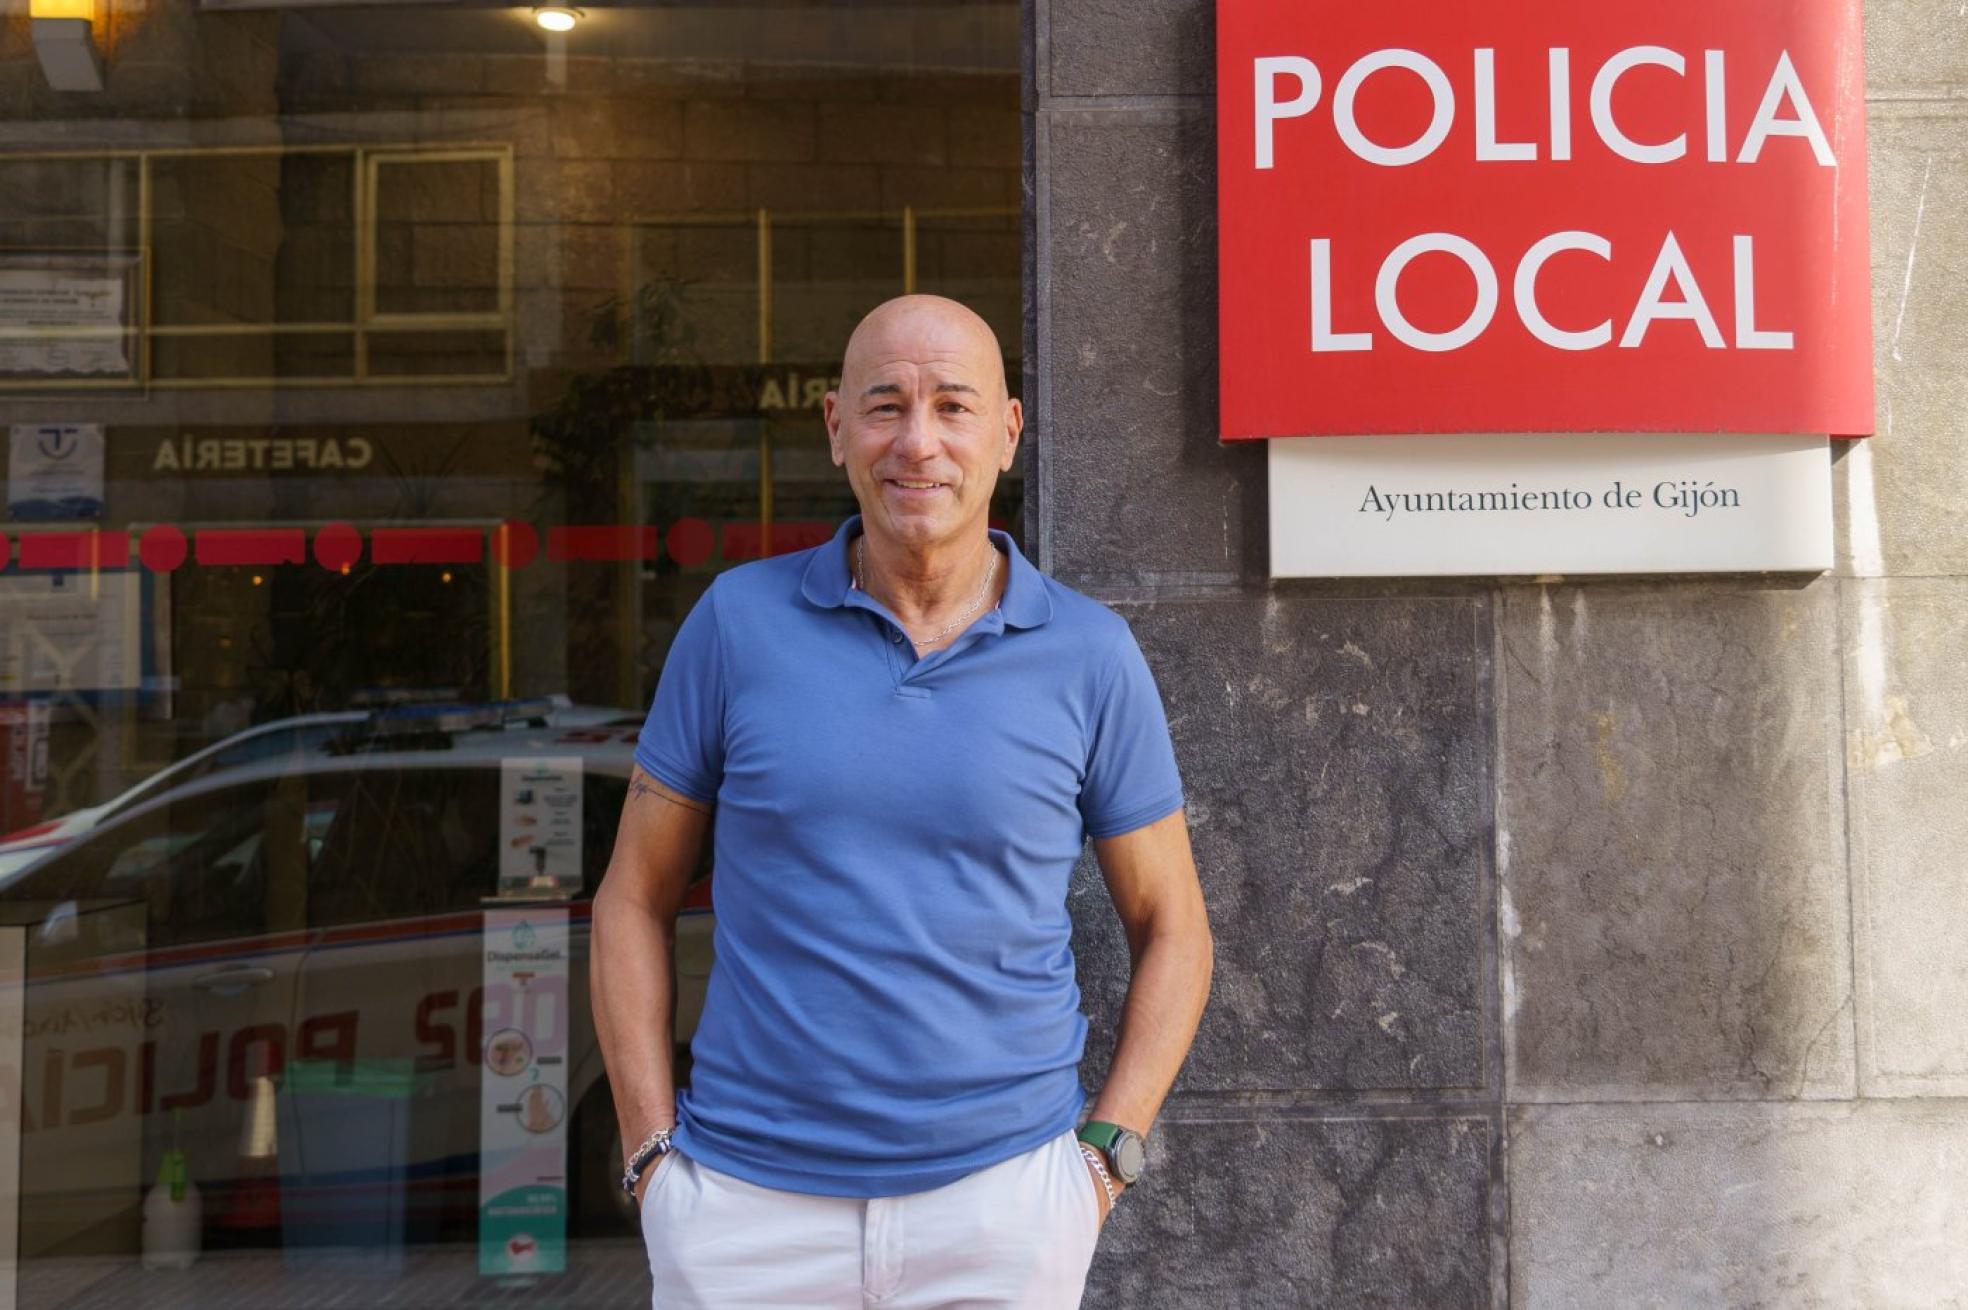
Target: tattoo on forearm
x,y
640,786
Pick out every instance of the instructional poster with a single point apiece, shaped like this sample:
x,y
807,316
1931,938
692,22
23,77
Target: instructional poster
x,y
522,1108
64,631
540,826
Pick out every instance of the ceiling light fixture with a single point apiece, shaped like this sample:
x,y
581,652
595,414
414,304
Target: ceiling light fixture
x,y
556,18
64,38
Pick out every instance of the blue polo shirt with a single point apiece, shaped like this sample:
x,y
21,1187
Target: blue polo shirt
x,y
892,1004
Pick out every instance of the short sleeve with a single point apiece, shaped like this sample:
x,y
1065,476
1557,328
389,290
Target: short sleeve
x,y
682,741
1131,778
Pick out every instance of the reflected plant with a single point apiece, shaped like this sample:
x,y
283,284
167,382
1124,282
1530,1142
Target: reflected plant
x,y
584,447
574,443
419,480
651,320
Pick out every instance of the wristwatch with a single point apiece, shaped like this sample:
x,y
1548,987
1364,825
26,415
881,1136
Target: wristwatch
x,y
1125,1152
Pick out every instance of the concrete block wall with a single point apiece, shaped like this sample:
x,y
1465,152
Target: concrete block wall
x,y
1578,944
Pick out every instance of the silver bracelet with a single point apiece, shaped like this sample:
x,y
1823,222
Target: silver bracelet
x,y
653,1147
1100,1168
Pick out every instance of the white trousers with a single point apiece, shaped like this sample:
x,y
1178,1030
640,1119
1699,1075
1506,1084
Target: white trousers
x,y
1017,1236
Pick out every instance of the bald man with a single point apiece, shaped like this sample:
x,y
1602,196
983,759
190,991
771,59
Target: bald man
x,y
899,743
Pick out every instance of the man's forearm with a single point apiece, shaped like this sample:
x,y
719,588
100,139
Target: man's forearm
x,y
632,988
1165,997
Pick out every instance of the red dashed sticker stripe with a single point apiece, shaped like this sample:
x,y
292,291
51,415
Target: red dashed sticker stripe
x,y
427,545
74,550
688,543
255,546
603,541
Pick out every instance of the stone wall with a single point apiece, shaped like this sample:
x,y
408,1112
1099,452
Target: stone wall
x,y
633,172
1577,943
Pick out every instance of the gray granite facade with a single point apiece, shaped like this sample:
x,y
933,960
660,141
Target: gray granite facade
x,y
1670,804
1334,1138
1275,1213
1833,1204
1577,943
1364,708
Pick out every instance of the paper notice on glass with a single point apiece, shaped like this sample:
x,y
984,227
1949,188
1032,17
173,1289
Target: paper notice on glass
x,y
540,826
64,631
64,322
55,471
522,1108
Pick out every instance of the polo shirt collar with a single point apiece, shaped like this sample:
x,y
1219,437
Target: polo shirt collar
x,y
828,581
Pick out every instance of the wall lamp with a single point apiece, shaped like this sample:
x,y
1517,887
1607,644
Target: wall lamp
x,y
64,40
557,18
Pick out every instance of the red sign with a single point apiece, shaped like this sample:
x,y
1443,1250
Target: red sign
x,y
1542,216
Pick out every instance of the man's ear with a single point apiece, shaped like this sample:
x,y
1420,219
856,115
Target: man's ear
x,y
1014,432
830,414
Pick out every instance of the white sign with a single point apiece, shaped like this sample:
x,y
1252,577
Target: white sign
x,y
70,631
41,308
1485,505
55,471
522,1108
540,826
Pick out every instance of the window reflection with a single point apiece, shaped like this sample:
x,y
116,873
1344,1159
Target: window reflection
x,y
383,386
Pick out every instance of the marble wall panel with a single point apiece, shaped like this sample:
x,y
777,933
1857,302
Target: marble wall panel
x,y
1806,1204
1141,490
1907,775
1674,915
1132,47
1335,756
1916,48
1899,494
1284,1214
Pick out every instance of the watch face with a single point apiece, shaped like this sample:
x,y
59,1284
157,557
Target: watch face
x,y
1130,1157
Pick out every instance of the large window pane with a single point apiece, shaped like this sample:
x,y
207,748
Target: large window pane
x,y
383,385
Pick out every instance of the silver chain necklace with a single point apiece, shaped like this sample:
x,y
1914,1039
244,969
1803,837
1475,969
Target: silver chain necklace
x,y
860,580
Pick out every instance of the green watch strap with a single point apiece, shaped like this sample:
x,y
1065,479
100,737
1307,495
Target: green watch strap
x,y
1101,1136
1124,1150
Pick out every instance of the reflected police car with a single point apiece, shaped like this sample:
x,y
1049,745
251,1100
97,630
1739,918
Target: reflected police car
x,y
327,905
307,734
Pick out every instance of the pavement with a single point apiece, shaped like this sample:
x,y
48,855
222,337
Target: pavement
x,y
603,1272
